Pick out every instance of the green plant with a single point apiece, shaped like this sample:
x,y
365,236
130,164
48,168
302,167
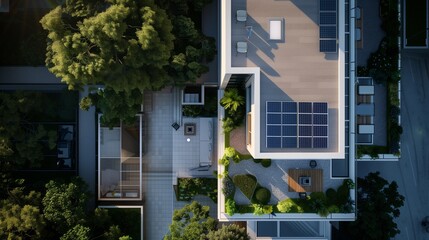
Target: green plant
x,y
262,195
349,183
230,206
192,110
224,161
232,154
266,163
331,196
319,206
260,209
228,125
228,188
246,183
232,100
333,209
290,205
189,187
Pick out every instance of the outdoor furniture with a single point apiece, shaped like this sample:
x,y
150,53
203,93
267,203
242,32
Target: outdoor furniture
x,y
316,181
366,129
241,16
276,29
304,181
242,47
303,195
313,163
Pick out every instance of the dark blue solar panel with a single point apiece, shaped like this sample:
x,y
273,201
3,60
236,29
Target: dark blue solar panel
x,y
320,119
289,107
320,142
305,142
274,130
274,118
289,119
305,107
328,5
328,18
320,131
320,107
289,142
304,118
274,106
328,32
305,131
274,142
289,130
328,46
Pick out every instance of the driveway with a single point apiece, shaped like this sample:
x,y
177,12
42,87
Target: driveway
x,y
411,171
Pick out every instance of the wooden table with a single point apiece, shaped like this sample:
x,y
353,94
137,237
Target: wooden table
x,y
316,180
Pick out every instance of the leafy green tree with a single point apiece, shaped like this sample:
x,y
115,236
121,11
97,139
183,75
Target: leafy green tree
x,y
378,204
191,222
227,232
21,140
78,232
20,216
232,100
64,204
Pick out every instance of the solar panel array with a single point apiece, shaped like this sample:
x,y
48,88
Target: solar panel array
x,y
297,124
328,26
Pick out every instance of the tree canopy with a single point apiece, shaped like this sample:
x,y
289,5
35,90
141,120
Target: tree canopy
x,y
378,204
127,47
193,222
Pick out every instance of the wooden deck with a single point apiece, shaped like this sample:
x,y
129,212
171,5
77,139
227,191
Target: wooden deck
x,y
316,180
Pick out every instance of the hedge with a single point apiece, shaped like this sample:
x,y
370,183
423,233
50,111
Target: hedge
x,y
228,188
266,163
246,183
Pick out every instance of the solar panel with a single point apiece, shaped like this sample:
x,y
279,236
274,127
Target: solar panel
x,y
289,107
328,18
274,106
305,131
320,119
289,131
305,107
304,118
273,118
274,130
328,46
274,142
328,5
305,142
328,31
289,142
320,131
320,107
289,118
320,142
297,124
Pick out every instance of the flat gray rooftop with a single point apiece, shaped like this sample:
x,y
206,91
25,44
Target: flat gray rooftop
x,y
292,69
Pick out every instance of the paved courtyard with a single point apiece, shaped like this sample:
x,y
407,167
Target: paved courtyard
x,y
275,177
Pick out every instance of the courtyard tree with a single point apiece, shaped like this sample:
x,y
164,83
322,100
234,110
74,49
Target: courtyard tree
x,y
193,222
378,204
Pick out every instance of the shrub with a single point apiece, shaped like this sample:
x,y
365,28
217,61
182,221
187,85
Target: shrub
x,y
260,209
349,183
289,206
343,194
228,125
231,154
192,110
224,161
318,196
257,160
228,188
262,195
230,207
331,196
333,209
318,206
266,163
246,183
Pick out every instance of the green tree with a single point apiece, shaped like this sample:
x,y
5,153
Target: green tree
x,y
20,216
191,222
65,203
232,100
378,204
21,140
227,232
78,232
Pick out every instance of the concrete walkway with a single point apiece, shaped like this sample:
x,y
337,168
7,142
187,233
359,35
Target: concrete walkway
x,y
411,172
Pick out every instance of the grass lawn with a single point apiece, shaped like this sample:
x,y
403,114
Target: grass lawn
x,y
416,22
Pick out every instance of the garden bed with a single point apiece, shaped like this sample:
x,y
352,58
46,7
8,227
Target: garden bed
x,y
187,188
128,220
